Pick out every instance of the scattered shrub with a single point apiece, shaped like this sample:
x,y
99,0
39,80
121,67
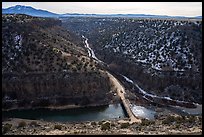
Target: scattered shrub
x,y
34,123
179,119
139,128
59,127
83,132
105,126
22,124
112,124
100,122
168,120
6,128
146,122
177,126
93,123
124,125
191,119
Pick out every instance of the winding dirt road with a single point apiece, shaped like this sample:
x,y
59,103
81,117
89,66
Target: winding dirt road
x,y
119,88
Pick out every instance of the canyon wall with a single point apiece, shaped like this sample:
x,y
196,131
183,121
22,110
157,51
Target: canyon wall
x,y
54,89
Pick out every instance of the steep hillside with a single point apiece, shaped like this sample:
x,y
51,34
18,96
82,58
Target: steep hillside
x,y
45,61
31,44
161,55
167,45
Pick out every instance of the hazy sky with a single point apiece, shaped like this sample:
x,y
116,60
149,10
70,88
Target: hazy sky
x,y
157,8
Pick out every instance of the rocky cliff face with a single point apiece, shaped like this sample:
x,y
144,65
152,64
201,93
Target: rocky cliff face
x,y
54,89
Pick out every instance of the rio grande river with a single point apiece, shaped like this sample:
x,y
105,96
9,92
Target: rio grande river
x,y
70,115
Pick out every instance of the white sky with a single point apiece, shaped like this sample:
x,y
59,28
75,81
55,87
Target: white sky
x,y
157,8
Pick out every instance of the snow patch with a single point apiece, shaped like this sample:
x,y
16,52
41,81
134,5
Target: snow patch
x,y
128,80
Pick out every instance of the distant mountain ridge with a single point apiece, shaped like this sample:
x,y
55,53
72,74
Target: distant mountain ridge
x,y
20,9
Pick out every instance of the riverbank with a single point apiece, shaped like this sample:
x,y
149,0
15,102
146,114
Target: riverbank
x,y
63,107
115,126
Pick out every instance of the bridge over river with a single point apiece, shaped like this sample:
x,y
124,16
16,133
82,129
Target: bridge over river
x,y
121,93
